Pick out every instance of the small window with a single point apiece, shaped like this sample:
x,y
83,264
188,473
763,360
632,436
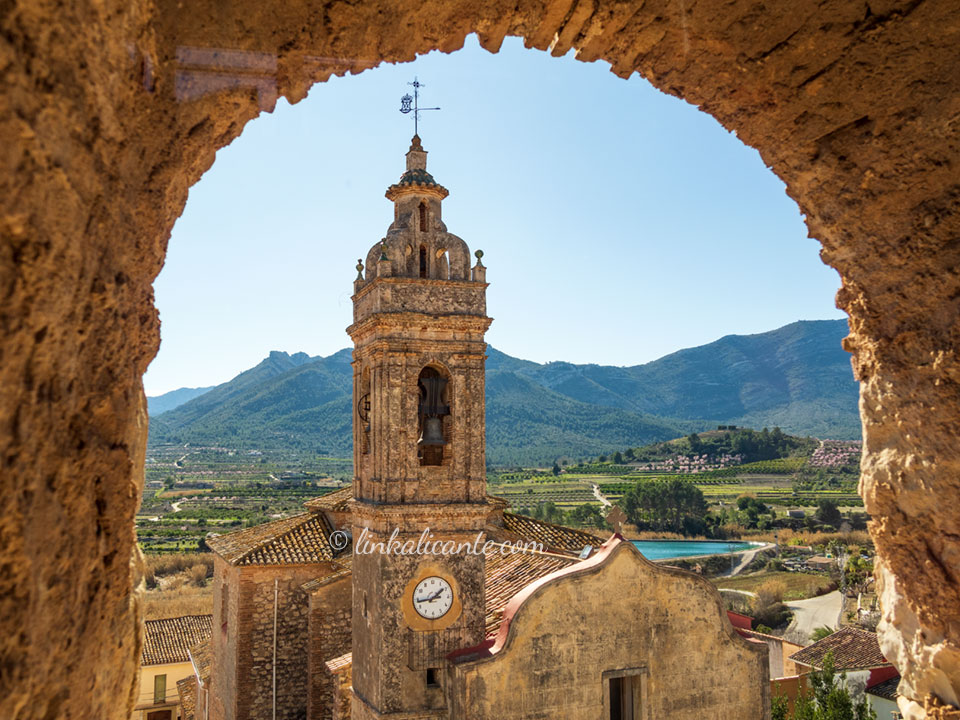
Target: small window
x,y
159,688
433,678
423,261
423,217
160,715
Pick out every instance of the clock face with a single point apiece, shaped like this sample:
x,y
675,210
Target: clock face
x,y
432,597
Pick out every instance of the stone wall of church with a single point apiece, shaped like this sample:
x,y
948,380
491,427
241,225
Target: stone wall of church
x,y
622,615
329,626
255,644
224,640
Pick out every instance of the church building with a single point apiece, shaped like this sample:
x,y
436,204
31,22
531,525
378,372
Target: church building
x,y
375,604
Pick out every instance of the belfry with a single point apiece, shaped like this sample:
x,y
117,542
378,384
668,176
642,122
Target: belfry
x,y
419,318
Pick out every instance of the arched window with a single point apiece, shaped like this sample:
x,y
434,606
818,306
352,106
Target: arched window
x,y
432,416
423,261
423,217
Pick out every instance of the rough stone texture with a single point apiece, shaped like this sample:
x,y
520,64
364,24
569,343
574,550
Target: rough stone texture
x,y
329,632
578,626
243,646
111,110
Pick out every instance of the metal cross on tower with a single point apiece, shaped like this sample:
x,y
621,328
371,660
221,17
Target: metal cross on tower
x,y
406,101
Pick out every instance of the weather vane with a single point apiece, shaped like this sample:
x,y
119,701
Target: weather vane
x,y
406,101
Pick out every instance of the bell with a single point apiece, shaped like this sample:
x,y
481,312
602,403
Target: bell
x,y
432,432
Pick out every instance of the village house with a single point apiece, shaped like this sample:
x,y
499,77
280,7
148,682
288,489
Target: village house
x,y
311,620
857,654
165,662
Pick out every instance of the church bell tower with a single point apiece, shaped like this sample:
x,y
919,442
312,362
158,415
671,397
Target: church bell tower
x,y
419,318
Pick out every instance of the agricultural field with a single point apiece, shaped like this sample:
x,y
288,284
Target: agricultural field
x,y
811,471
796,585
192,491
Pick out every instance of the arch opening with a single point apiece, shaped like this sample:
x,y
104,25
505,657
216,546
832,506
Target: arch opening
x,y
819,131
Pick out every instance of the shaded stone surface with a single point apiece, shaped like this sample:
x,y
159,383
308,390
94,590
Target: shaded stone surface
x,y
111,110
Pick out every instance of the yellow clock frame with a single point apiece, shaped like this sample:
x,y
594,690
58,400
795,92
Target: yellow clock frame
x,y
413,619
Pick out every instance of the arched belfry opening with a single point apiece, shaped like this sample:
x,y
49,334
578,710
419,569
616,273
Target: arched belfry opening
x,y
423,216
432,414
424,262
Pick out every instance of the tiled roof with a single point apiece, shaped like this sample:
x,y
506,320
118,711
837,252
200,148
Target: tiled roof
x,y
508,574
342,567
187,690
169,640
297,540
887,689
200,655
335,501
852,649
553,537
340,663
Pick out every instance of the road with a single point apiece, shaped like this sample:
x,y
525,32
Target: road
x,y
813,613
600,496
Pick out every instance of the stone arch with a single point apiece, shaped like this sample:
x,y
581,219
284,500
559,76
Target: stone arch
x,y
117,110
459,255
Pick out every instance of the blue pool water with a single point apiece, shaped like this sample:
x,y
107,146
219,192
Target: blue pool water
x,y
661,549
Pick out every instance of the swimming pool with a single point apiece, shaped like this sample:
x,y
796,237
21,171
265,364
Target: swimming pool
x,y
661,549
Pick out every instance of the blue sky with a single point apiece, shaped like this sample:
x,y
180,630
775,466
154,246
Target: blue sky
x,y
618,224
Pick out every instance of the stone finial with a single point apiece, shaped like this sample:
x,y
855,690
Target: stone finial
x,y
359,269
479,272
383,250
416,155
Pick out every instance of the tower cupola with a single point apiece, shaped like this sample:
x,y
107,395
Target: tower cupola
x,y
417,244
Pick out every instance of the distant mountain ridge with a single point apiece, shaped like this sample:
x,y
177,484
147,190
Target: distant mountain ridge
x,y
796,377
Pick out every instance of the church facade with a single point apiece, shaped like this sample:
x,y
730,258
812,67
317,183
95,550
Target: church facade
x,y
412,594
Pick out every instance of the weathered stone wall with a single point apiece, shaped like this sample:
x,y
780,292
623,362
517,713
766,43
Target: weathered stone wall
x,y
111,110
224,639
255,647
331,607
672,627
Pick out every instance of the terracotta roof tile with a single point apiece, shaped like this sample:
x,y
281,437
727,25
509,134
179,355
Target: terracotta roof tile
x,y
169,640
298,540
187,690
340,663
853,649
335,501
200,655
887,689
506,575
552,537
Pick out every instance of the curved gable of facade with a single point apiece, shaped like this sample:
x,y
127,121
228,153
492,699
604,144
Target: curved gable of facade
x,y
564,637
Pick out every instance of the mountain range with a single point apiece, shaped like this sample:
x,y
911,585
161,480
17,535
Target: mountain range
x,y
796,377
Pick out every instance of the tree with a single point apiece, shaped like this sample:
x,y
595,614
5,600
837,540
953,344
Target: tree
x,y
556,468
831,700
665,504
779,706
820,633
828,513
617,458
587,515
694,441
858,573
